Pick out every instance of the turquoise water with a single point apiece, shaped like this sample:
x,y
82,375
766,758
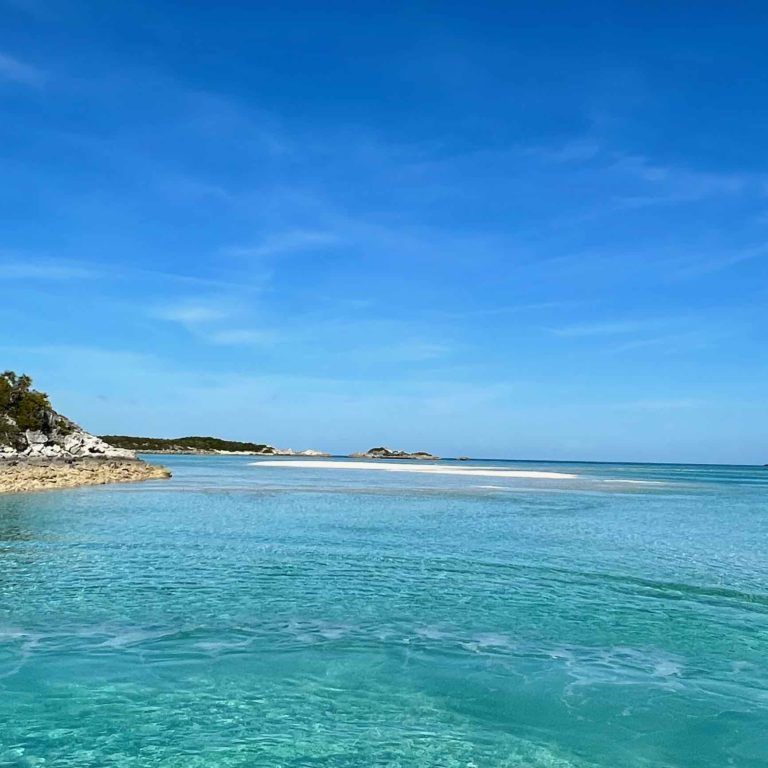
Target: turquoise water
x,y
246,616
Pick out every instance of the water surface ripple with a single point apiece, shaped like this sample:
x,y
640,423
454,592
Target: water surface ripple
x,y
245,616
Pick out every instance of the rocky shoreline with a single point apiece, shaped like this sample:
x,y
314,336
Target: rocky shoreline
x,y
41,449
213,452
19,475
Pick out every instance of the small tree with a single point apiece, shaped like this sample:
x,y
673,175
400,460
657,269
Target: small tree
x,y
21,407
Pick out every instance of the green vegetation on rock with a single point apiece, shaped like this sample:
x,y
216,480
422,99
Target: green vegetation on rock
x,y
21,408
183,444
31,428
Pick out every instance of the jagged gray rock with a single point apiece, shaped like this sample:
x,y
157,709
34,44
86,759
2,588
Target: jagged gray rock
x,y
61,438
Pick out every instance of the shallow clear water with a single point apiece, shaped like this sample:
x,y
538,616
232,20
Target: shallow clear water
x,y
246,616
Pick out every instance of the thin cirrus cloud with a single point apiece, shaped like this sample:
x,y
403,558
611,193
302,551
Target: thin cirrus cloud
x,y
287,242
192,313
17,71
27,266
15,268
663,334
683,403
246,337
709,264
407,351
673,342
670,184
617,328
209,322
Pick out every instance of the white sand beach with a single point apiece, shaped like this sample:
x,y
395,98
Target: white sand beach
x,y
431,469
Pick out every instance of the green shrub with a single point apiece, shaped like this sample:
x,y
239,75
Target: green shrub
x,y
149,444
21,407
64,426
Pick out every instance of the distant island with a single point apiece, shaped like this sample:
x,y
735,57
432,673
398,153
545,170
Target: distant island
x,y
200,445
388,453
40,448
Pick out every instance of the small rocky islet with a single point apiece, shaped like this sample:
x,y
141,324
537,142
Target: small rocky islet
x,y
389,453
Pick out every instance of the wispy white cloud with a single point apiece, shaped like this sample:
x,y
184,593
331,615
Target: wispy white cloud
x,y
672,342
406,351
683,403
210,321
246,337
16,265
188,189
611,180
672,186
193,312
291,241
572,151
611,328
703,265
667,335
502,310
699,182
18,71
15,268
218,116
177,278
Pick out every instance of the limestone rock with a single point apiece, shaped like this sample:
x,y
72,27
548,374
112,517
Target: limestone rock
x,y
59,438
36,474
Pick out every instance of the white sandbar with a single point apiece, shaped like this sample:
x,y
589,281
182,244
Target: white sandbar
x,y
430,469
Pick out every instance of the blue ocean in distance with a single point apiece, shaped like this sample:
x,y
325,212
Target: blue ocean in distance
x,y
239,615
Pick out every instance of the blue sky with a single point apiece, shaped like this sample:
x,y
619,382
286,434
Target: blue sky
x,y
522,230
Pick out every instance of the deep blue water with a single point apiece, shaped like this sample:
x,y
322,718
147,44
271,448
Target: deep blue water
x,y
247,616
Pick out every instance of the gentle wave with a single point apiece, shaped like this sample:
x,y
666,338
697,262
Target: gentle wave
x,y
237,616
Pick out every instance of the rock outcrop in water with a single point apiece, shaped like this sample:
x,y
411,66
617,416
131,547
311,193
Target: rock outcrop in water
x,y
40,448
18,475
388,453
30,428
